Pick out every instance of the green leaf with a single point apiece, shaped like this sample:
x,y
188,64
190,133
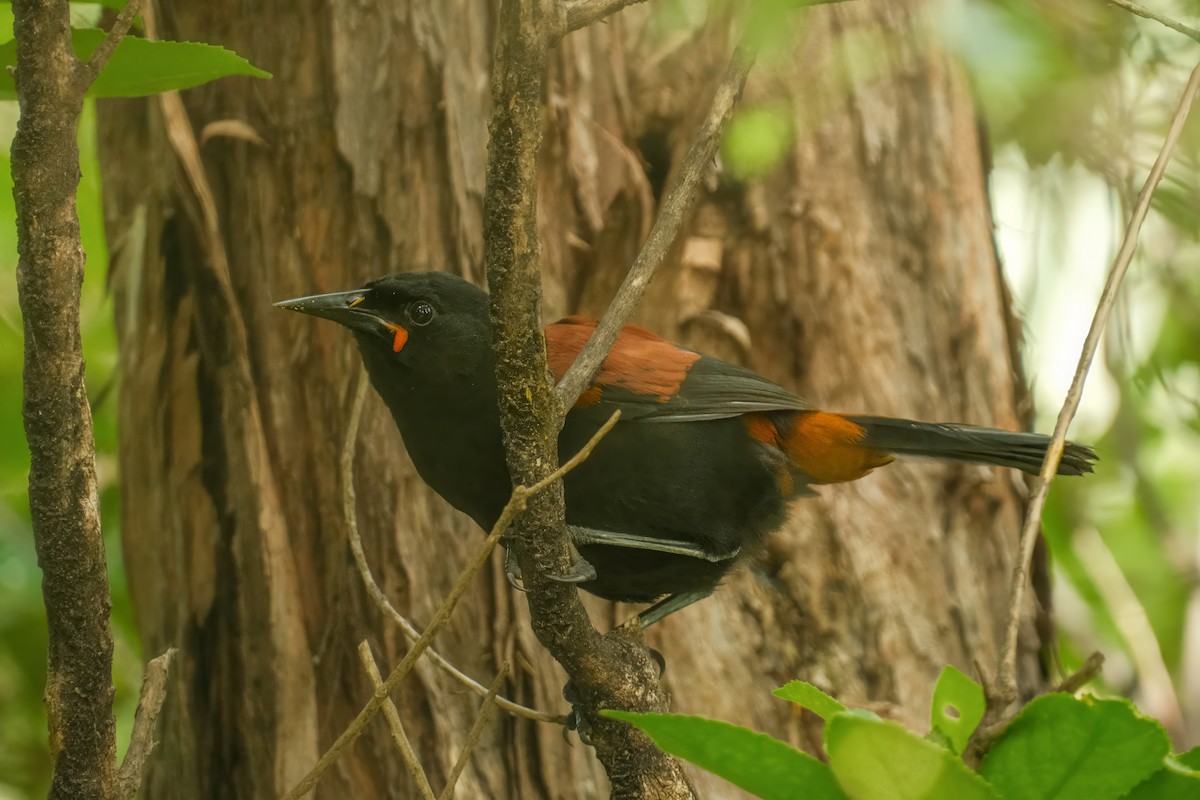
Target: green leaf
x,y
141,67
1179,779
803,693
875,759
757,141
1064,748
958,706
763,766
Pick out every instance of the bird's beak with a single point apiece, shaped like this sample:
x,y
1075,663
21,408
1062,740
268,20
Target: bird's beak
x,y
340,307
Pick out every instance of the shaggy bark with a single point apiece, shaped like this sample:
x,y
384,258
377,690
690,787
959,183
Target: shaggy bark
x,y
859,272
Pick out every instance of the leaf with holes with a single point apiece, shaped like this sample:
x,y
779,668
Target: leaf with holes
x,y
958,706
1065,748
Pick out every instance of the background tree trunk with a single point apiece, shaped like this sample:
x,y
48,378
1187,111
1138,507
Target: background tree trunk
x,y
860,272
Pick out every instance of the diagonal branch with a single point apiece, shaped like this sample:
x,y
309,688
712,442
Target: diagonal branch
x,y
103,52
145,721
485,712
679,198
1142,11
377,596
1006,684
399,737
515,505
582,13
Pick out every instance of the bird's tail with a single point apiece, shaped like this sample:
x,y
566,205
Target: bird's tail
x,y
1023,451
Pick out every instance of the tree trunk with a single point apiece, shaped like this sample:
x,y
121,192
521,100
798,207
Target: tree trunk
x,y
860,272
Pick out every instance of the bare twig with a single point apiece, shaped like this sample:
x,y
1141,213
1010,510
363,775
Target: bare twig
x,y
399,737
485,711
103,52
1006,684
1141,11
1082,676
145,721
516,504
376,593
583,13
678,199
990,729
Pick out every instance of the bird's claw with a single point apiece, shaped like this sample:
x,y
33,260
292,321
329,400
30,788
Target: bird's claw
x,y
512,571
581,571
576,721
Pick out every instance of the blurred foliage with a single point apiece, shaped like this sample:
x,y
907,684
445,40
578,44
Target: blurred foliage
x,y
1075,97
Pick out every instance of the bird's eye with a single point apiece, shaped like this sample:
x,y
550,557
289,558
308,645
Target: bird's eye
x,y
420,313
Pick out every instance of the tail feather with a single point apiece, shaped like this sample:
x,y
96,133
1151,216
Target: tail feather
x,y
1023,451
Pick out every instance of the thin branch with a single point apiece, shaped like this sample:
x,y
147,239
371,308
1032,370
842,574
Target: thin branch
x,y
376,593
103,52
485,711
1006,683
679,198
399,737
1141,11
583,13
145,721
1082,676
515,505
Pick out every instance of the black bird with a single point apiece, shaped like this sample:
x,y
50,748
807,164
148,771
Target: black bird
x,y
698,471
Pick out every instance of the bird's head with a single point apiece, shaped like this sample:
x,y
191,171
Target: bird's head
x,y
433,322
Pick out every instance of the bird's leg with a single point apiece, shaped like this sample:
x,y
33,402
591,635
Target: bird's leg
x,y
582,536
668,605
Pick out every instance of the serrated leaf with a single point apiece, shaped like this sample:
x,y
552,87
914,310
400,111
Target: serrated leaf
x,y
874,759
766,767
1179,779
803,693
958,707
140,67
1075,749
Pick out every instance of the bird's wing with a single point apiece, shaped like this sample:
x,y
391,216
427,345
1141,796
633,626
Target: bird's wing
x,y
652,379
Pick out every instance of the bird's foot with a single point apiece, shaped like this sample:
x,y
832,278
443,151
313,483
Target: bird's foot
x,y
580,571
576,720
512,570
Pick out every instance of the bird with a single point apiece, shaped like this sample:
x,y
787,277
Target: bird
x,y
699,470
